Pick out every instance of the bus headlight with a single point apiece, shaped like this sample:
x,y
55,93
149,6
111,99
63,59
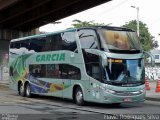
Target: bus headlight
x,y
142,91
125,93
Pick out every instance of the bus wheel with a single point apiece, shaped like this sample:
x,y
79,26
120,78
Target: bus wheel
x,y
79,96
28,90
21,90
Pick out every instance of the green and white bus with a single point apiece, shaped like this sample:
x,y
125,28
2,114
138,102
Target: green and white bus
x,y
97,64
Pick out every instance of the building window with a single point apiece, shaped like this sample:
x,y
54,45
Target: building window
x,y
156,56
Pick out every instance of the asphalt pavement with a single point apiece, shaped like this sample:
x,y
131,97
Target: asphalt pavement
x,y
47,108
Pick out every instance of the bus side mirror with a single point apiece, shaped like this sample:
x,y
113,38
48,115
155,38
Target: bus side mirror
x,y
152,59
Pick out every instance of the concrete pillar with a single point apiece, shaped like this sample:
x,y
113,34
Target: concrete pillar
x,y
5,37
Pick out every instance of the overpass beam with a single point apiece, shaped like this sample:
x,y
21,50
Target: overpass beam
x,y
5,37
7,3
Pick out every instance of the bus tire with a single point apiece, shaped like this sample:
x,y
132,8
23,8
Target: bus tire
x,y
21,90
78,96
28,90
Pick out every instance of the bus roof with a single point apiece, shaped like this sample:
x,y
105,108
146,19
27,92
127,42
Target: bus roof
x,y
108,27
41,35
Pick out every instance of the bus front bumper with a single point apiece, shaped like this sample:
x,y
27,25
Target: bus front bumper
x,y
112,98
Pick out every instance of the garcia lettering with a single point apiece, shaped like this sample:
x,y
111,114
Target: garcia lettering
x,y
50,57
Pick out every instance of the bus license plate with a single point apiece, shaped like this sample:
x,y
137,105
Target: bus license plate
x,y
127,100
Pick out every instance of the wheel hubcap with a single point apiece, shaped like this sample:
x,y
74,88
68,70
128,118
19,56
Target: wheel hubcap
x,y
79,96
28,91
21,89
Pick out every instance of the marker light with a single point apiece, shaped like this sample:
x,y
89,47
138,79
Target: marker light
x,y
115,60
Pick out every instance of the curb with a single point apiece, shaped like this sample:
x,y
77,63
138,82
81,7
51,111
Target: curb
x,y
153,99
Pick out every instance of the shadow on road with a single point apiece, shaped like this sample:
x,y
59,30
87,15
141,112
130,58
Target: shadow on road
x,y
88,104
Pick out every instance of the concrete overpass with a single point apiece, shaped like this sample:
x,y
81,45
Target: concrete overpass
x,y
25,15
19,18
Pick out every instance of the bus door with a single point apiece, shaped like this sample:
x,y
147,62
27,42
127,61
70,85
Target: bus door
x,y
93,70
94,81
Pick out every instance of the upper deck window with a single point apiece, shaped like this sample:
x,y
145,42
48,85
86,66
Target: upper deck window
x,y
53,42
88,39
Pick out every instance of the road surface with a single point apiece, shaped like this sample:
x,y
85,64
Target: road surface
x,y
16,107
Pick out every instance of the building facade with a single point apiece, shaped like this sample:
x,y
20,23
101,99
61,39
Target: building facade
x,y
153,73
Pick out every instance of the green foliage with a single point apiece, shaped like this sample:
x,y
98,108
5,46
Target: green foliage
x,y
79,23
147,40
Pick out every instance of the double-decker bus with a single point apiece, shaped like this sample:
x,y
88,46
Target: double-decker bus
x,y
100,64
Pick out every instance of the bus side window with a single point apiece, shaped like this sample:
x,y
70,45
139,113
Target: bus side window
x,y
36,44
56,42
88,39
23,44
69,41
12,45
55,71
11,71
95,71
46,44
92,64
17,45
70,72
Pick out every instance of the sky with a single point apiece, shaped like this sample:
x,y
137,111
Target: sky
x,y
116,13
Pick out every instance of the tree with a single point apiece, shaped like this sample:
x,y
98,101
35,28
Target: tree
x,y
79,23
147,40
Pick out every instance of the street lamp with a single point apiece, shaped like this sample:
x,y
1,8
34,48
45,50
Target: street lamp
x,y
137,8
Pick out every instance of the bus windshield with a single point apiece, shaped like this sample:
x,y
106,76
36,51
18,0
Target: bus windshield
x,y
124,72
119,40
